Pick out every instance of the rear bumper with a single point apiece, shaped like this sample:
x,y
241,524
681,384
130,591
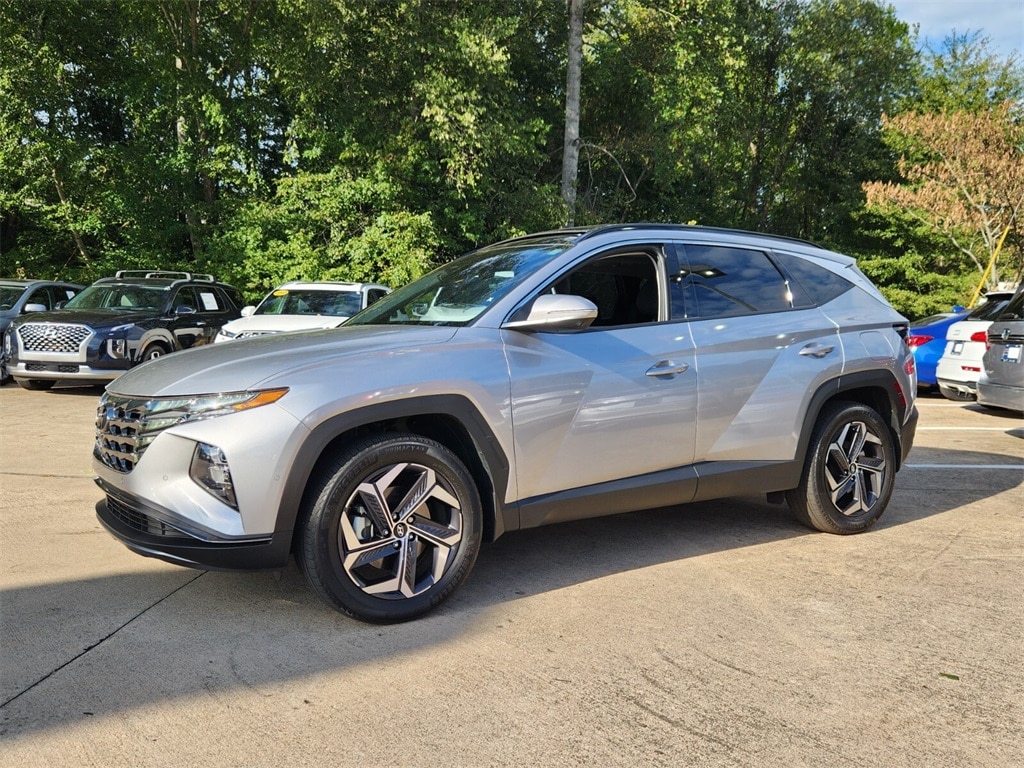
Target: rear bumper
x,y
999,396
907,434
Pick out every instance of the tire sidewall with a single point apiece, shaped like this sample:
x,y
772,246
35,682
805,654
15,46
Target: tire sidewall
x,y
822,512
320,553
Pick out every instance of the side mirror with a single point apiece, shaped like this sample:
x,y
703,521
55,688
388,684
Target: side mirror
x,y
248,311
555,312
33,308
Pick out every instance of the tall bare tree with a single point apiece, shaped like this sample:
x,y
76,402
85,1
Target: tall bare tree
x,y
571,146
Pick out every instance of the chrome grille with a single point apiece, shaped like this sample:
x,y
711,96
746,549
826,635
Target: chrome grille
x,y
126,426
52,337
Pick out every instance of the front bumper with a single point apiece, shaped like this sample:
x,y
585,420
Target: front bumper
x,y
62,372
151,532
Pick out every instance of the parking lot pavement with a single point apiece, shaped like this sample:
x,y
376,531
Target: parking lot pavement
x,y
714,634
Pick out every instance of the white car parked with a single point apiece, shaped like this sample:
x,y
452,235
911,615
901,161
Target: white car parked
x,y
303,306
959,367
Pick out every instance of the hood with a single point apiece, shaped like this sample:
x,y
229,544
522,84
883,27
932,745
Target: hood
x,y
283,323
267,361
94,318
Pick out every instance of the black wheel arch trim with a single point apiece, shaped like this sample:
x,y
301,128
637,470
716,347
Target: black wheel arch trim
x,y
485,458
865,387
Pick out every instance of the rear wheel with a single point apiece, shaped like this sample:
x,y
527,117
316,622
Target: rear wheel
x,y
390,529
36,385
848,477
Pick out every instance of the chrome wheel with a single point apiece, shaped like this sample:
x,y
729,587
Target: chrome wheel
x,y
390,527
848,474
855,469
399,531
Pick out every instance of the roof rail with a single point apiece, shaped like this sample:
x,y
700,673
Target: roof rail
x,y
143,273
694,228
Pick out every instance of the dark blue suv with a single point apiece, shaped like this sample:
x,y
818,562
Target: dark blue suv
x,y
117,323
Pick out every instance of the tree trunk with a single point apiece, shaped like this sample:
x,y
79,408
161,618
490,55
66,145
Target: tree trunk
x,y
571,147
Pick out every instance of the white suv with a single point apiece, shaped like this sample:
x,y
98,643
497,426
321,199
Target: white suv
x,y
553,377
303,306
959,368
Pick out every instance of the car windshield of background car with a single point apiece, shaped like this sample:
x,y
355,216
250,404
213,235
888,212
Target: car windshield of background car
x,y
286,301
457,293
9,295
126,298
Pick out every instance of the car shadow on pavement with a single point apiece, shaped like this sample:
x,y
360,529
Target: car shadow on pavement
x,y
104,646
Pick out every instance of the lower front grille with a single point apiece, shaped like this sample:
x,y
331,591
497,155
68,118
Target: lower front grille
x,y
51,368
140,521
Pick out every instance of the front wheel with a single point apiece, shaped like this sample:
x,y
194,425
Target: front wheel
x,y
153,351
390,529
848,477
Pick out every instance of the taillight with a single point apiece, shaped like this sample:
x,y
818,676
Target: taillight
x,y
916,341
981,336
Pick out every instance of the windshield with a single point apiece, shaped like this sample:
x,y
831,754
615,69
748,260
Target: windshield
x,y
8,295
458,292
126,298
989,310
286,301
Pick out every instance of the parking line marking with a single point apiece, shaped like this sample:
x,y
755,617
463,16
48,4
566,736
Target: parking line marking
x,y
1018,467
964,429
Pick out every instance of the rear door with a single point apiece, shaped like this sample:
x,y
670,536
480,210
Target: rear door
x,y
760,355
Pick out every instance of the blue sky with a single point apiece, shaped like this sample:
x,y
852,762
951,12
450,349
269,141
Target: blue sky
x,y
1002,21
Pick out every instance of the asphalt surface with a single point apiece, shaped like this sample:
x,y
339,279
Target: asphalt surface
x,y
715,634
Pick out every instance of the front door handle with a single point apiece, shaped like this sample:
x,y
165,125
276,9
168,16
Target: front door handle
x,y
817,350
667,369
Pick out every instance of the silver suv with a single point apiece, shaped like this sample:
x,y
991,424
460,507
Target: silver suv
x,y
563,375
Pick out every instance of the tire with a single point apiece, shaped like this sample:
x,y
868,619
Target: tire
x,y
848,477
153,351
36,385
405,498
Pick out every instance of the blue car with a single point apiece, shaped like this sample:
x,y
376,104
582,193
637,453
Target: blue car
x,y
928,341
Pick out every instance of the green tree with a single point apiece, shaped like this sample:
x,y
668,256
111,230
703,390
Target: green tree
x,y
932,225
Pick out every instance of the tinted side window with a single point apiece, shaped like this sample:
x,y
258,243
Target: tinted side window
x,y
728,282
624,287
813,284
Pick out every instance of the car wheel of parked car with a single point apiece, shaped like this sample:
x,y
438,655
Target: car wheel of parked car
x,y
36,385
153,351
390,528
848,477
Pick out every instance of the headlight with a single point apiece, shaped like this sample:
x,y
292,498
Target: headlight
x,y
8,346
149,417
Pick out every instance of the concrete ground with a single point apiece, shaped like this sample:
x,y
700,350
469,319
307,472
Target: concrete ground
x,y
715,634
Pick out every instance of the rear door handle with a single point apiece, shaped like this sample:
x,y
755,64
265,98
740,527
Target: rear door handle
x,y
817,350
667,369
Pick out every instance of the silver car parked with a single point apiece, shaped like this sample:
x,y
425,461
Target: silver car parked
x,y
1002,376
563,375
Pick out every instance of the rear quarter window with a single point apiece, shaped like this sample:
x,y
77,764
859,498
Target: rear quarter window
x,y
811,284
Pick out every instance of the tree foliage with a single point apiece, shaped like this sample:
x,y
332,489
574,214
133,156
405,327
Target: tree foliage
x,y
266,140
964,175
